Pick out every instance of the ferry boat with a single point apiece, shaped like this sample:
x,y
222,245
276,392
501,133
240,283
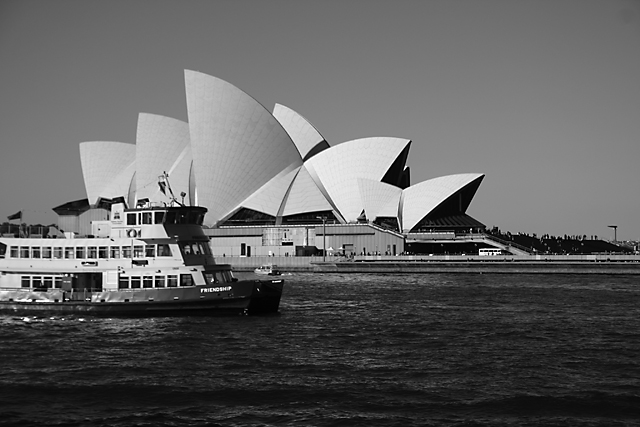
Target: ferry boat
x,y
268,269
146,261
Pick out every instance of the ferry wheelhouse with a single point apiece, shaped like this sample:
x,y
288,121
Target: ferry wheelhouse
x,y
151,260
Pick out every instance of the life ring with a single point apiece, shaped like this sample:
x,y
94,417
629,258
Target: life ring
x,y
132,233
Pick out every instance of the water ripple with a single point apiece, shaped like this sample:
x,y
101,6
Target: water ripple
x,y
369,350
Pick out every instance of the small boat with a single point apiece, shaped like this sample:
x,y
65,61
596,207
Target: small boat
x,y
268,269
150,261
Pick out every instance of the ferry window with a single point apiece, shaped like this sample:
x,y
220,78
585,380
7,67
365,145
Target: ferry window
x,y
14,252
48,282
135,282
24,252
3,250
146,218
126,252
210,278
123,282
79,253
26,281
204,248
147,282
186,249
137,251
115,252
35,252
57,253
243,249
159,281
36,281
57,282
163,250
103,252
186,280
131,219
196,248
227,276
92,252
150,251
46,252
158,217
68,253
170,218
193,217
172,281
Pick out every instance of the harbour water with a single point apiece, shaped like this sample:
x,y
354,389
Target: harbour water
x,y
345,350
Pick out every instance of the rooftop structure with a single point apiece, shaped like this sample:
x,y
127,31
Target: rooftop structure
x,y
249,166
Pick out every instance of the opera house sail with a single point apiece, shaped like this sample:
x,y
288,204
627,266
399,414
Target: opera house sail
x,y
253,167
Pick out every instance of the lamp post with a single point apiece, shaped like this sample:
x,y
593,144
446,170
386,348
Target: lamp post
x,y
324,236
615,232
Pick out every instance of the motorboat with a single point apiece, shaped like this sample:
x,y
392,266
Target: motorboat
x,y
268,269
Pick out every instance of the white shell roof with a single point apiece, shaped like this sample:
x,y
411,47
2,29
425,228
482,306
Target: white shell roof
x,y
162,145
234,153
420,199
379,198
108,168
305,196
269,197
302,132
237,145
337,170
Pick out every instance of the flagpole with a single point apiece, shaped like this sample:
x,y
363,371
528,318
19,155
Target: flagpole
x,y
18,216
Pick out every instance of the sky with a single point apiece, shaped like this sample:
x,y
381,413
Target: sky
x,y
541,96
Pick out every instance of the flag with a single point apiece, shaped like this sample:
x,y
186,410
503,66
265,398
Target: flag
x,y
17,215
162,187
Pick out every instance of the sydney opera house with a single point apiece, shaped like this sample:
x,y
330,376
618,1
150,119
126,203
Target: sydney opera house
x,y
270,181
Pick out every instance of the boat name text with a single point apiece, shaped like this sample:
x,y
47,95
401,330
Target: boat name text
x,y
217,289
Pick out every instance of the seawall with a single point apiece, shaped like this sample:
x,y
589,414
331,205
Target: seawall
x,y
551,264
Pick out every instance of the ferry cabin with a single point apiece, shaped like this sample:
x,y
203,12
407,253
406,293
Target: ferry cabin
x,y
153,247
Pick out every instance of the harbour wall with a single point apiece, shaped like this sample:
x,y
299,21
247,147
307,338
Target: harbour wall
x,y
542,264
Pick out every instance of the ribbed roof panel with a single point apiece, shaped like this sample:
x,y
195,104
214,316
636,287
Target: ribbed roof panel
x,y
162,145
420,199
379,199
237,145
107,168
304,135
339,168
269,197
305,196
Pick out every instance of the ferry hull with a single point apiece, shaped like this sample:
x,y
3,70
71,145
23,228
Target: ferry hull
x,y
245,297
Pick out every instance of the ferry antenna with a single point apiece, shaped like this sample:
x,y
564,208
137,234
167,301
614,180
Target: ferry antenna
x,y
164,184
